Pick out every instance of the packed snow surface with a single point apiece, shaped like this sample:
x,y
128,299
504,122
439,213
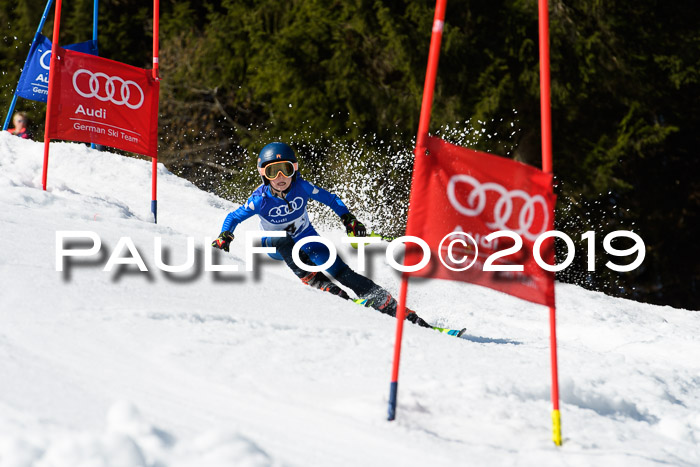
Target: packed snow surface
x,y
202,368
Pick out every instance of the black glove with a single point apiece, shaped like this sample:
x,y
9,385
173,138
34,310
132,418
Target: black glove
x,y
353,226
223,241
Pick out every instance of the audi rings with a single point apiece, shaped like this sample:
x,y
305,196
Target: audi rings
x,y
503,208
110,88
41,60
282,211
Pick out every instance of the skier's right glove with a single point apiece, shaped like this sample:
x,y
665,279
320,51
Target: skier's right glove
x,y
353,226
223,242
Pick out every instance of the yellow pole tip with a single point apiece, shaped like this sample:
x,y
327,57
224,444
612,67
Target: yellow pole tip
x,y
556,427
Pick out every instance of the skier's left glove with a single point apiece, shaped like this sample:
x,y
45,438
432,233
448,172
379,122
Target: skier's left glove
x,y
353,226
223,242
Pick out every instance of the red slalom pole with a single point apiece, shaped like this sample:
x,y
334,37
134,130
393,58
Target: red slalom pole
x,y
430,76
49,100
420,151
154,165
156,28
400,317
546,124
545,107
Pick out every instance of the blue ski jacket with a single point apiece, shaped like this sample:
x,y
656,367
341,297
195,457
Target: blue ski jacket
x,y
288,213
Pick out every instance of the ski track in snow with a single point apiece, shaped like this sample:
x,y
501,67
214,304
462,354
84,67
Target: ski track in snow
x,y
130,368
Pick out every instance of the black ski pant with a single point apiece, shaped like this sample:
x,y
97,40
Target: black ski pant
x,y
377,297
362,286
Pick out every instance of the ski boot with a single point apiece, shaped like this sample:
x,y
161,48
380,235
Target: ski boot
x,y
318,280
389,306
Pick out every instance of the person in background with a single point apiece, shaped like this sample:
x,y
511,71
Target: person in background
x,y
20,121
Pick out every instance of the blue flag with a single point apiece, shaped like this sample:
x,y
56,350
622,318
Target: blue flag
x,y
34,81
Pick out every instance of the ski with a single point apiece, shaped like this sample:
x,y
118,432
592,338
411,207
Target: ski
x,y
451,332
371,234
448,331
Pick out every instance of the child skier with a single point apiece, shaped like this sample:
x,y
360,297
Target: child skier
x,y
280,202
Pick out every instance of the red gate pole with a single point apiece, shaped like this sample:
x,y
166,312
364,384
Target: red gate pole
x,y
420,151
400,316
430,77
154,165
156,20
546,124
49,100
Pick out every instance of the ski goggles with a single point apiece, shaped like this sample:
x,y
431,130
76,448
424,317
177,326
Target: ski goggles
x,y
272,171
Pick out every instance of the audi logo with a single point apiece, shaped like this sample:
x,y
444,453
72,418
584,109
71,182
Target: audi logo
x,y
41,60
503,216
104,88
281,211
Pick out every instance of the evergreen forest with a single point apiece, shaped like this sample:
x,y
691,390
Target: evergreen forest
x,y
342,82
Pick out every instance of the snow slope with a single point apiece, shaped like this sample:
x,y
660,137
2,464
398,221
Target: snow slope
x,y
130,368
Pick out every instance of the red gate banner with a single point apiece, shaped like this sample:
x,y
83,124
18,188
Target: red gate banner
x,y
97,100
455,189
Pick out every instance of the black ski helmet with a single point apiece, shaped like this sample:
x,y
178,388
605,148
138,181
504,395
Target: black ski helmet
x,y
276,152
